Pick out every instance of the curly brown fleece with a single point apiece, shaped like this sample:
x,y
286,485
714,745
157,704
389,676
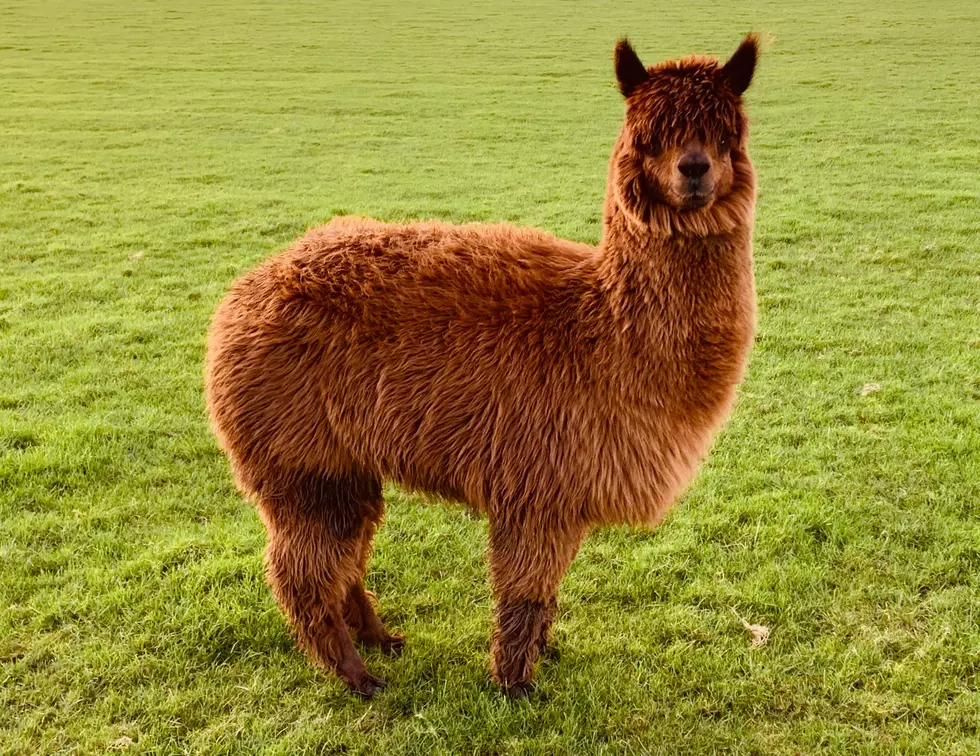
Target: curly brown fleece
x,y
554,386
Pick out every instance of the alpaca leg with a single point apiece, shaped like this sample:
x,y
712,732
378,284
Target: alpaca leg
x,y
359,608
527,563
546,651
316,526
364,620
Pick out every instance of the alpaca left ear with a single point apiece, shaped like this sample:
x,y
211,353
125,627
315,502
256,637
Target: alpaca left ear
x,y
740,67
630,72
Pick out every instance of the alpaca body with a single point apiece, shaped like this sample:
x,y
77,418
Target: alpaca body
x,y
526,381
552,385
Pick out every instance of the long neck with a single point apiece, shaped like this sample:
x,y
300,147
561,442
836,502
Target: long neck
x,y
679,286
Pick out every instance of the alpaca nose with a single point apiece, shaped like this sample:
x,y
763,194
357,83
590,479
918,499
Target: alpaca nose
x,y
694,165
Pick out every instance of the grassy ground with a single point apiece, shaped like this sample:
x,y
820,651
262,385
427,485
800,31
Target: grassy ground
x,y
151,152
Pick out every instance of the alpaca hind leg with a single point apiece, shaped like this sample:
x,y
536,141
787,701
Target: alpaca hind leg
x,y
359,609
363,619
527,562
315,526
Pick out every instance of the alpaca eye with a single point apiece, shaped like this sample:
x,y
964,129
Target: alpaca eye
x,y
648,145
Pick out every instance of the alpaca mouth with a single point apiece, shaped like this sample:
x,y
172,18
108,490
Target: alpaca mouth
x,y
696,200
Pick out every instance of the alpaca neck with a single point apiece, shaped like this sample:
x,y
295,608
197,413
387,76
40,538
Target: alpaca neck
x,y
679,288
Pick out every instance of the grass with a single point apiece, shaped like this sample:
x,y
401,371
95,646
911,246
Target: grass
x,y
152,152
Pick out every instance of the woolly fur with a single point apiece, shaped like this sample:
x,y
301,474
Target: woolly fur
x,y
551,385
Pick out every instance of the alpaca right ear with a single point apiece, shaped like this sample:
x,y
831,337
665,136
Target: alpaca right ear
x,y
741,66
630,72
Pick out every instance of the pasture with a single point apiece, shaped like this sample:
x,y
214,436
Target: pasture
x,y
150,153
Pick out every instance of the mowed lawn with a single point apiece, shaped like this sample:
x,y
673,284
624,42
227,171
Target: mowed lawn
x,y
151,152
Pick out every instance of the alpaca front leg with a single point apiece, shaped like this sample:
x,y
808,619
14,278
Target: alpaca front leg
x,y
520,636
527,562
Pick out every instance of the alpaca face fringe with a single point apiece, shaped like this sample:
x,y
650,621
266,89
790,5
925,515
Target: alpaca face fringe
x,y
682,149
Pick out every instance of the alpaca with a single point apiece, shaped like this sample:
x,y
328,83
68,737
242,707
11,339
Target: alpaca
x,y
553,386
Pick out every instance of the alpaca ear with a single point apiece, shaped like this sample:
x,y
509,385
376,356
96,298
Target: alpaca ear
x,y
740,67
630,72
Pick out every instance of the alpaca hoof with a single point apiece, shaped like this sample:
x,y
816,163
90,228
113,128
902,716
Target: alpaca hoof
x,y
518,691
367,685
393,645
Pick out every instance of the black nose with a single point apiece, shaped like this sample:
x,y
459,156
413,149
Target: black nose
x,y
694,164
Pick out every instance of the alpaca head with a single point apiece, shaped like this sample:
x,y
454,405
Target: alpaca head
x,y
684,135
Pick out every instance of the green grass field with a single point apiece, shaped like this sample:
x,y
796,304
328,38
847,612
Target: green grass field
x,y
150,155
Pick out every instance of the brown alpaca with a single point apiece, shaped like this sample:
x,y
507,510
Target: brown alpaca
x,y
553,386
